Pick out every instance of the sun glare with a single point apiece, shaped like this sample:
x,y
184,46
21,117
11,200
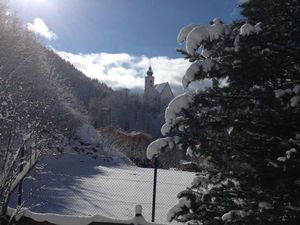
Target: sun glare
x,y
26,4
32,1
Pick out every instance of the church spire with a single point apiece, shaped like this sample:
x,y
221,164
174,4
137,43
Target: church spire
x,y
150,72
149,83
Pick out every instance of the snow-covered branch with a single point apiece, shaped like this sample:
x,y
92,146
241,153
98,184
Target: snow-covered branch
x,y
26,169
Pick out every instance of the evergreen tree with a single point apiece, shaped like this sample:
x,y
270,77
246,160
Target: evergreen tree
x,y
245,128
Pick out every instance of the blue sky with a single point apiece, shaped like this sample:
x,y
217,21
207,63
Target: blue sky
x,y
142,29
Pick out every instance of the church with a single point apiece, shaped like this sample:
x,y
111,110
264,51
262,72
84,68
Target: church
x,y
157,92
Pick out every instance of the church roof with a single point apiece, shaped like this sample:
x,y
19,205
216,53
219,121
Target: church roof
x,y
160,87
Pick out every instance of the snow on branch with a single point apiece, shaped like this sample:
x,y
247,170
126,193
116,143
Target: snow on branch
x,y
295,99
182,203
183,33
174,108
159,145
190,75
231,215
195,35
248,29
26,169
9,164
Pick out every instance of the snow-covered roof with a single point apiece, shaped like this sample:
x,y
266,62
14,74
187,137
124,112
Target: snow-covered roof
x,y
184,162
134,133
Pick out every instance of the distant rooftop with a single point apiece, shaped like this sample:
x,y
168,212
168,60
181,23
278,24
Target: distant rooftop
x,y
160,87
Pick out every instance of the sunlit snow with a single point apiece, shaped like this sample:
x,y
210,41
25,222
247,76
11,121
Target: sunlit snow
x,y
77,185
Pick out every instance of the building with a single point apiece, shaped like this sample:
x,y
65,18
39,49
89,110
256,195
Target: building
x,y
156,92
133,144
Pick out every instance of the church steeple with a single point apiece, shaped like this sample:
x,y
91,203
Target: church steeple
x,y
149,83
150,72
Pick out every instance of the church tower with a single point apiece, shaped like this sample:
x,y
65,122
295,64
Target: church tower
x,y
149,83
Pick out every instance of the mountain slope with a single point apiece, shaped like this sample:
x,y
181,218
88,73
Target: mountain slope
x,y
38,88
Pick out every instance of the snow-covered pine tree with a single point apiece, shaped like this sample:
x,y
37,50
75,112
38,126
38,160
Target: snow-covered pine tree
x,y
246,127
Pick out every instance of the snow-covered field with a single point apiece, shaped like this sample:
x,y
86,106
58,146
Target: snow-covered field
x,y
78,185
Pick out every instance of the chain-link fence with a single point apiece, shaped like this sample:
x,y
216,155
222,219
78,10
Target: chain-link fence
x,y
80,184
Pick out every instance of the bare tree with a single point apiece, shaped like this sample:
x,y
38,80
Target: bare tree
x,y
24,108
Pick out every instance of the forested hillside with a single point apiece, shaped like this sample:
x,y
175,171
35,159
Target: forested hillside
x,y
45,107
33,74
31,90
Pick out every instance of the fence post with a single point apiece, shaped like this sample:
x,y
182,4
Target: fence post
x,y
154,188
138,210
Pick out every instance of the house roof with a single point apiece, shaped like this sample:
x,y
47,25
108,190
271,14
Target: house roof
x,y
122,135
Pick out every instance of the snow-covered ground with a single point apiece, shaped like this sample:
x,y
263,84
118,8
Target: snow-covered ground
x,y
78,185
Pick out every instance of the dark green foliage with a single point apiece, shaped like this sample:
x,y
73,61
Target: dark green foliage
x,y
248,130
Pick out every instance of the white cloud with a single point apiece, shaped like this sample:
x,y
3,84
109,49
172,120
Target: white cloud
x,y
127,71
39,27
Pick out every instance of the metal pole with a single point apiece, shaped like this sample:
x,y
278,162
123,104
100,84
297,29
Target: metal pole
x,y
154,188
